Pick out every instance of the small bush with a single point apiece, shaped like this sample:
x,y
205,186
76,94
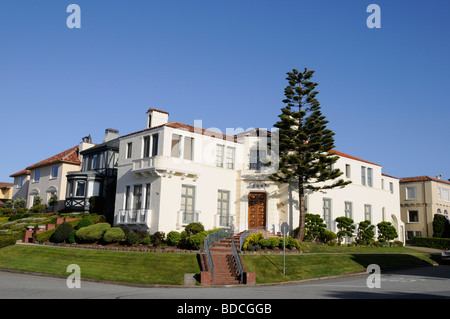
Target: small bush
x,y
39,208
173,238
92,233
196,241
158,238
253,239
7,240
61,233
132,239
44,236
72,239
113,235
146,240
194,228
84,222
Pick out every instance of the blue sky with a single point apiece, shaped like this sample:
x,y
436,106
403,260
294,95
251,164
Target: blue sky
x,y
384,91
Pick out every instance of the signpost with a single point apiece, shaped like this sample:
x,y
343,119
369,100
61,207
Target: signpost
x,y
284,229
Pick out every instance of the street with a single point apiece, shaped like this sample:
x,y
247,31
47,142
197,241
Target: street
x,y
415,283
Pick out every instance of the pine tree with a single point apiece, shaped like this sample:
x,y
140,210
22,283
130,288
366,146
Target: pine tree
x,y
304,143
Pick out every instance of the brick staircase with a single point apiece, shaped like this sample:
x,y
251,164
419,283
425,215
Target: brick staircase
x,y
225,269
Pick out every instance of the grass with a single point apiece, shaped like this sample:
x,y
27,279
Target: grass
x,y
269,268
133,267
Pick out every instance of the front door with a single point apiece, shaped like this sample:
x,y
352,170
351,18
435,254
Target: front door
x,y
257,210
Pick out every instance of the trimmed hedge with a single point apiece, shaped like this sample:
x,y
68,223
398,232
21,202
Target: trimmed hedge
x,y
113,235
92,233
7,240
432,242
61,233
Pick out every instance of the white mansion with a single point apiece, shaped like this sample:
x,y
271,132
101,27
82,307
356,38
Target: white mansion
x,y
170,174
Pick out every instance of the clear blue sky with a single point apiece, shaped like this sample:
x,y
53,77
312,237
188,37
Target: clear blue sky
x,y
385,91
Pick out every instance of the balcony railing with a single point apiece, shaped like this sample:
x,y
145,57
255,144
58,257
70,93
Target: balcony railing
x,y
164,166
132,217
187,217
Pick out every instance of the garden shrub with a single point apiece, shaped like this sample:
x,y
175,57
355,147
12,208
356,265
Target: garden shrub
x,y
62,233
146,240
72,239
132,239
158,238
84,222
113,235
44,236
196,241
92,233
38,209
173,238
253,239
432,242
7,240
194,228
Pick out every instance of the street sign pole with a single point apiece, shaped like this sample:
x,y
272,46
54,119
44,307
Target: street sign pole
x,y
284,230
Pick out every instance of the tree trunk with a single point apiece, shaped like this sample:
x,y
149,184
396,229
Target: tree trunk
x,y
301,201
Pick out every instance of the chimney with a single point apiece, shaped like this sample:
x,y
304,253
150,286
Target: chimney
x,y
438,176
87,139
156,117
110,134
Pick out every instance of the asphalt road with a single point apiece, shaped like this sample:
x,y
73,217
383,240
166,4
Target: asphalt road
x,y
415,283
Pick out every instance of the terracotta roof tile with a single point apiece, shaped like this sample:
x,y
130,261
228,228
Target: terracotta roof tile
x,y
352,157
422,178
68,156
6,185
22,172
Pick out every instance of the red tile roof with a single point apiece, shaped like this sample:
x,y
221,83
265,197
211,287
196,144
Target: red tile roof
x,y
422,178
189,128
22,172
352,157
6,185
68,156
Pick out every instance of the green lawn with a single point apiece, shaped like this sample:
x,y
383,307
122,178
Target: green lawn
x,y
134,267
269,268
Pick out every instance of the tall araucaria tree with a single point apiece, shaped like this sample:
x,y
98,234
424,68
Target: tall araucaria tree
x,y
304,158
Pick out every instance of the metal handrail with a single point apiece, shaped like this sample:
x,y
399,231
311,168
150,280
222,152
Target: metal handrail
x,y
210,240
237,259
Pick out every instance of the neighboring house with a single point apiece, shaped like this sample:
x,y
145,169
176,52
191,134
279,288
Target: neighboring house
x,y
97,177
48,177
21,184
421,198
171,174
6,191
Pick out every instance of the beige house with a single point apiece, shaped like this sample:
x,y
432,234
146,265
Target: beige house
x,y
420,199
48,177
5,192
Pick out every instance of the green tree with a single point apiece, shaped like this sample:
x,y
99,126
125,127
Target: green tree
x,y
346,227
52,201
441,226
386,231
305,144
314,226
19,203
365,232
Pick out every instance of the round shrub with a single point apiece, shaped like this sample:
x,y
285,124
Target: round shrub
x,y
132,239
173,238
92,233
61,233
196,241
113,235
84,222
158,238
194,228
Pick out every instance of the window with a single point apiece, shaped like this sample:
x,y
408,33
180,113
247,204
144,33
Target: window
x,y
54,171
127,197
223,207
383,214
81,188
188,148
444,194
411,234
137,195
413,216
368,212
349,210
155,144
446,213
255,159
129,149
21,178
219,155
411,192
188,204
369,177
347,171
363,175
176,141
391,187
229,159
147,196
146,143
382,183
37,175
327,212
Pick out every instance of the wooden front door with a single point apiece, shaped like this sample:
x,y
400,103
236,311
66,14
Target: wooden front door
x,y
257,210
